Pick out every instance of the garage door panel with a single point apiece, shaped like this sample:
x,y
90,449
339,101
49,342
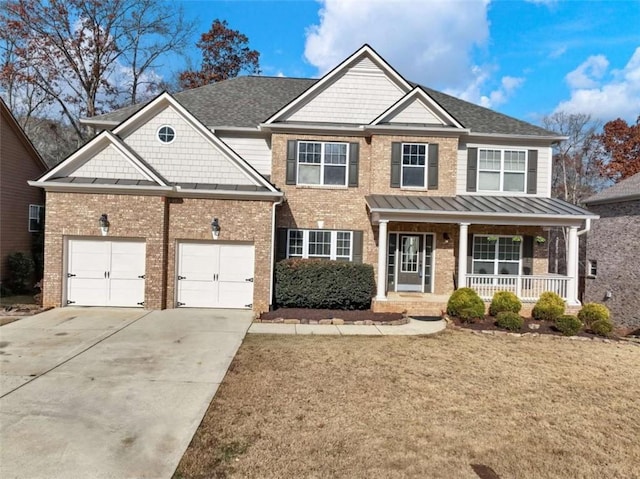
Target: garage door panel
x,y
197,294
126,292
235,295
236,262
87,291
88,259
127,260
197,262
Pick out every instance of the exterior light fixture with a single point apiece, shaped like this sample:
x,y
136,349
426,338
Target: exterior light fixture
x,y
104,224
446,237
215,228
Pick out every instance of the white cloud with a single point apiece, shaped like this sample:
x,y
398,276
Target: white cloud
x,y
482,76
427,42
605,95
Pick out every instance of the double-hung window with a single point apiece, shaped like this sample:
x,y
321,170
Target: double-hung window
x,y
320,244
502,170
496,255
35,217
321,163
414,161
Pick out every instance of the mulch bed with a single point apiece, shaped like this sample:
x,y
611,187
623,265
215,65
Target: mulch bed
x,y
318,314
540,327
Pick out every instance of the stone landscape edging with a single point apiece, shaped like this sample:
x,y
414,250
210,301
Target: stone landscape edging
x,y
334,321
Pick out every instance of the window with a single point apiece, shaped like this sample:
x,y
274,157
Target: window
x,y
323,244
166,134
414,172
502,170
322,163
592,268
35,217
496,255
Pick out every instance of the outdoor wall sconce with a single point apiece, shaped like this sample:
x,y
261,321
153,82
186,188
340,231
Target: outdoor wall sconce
x,y
215,228
446,237
104,224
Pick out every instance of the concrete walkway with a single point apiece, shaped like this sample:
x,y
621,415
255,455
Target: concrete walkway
x,y
109,392
413,328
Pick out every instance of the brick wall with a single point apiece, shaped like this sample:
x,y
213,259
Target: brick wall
x,y
613,242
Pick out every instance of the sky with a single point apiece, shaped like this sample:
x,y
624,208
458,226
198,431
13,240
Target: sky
x,y
526,58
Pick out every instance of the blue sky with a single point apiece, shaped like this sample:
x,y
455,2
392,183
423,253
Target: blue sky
x,y
522,58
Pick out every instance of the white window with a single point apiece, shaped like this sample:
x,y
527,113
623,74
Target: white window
x,y
322,163
592,268
502,170
166,134
322,244
414,170
35,217
496,255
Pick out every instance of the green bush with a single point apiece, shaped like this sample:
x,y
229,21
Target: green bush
x,y
509,320
320,284
504,301
21,269
602,327
465,304
592,312
549,307
568,324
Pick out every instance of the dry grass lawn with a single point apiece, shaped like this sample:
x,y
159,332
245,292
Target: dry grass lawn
x,y
428,407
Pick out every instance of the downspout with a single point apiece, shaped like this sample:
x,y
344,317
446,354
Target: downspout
x,y
273,247
587,227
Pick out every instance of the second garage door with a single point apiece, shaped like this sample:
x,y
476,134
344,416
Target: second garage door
x,y
214,275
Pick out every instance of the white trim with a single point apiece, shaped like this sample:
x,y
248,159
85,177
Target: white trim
x,y
333,243
173,132
506,136
502,171
496,260
39,209
431,286
322,164
364,51
425,167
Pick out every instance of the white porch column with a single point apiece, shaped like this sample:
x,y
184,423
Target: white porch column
x,y
462,255
382,261
572,267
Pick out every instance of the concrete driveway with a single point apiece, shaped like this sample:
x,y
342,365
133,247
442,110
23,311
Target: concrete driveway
x,y
109,392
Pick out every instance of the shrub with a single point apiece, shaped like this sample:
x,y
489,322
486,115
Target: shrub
x,y
549,307
20,271
602,327
568,324
313,283
592,312
465,304
504,301
509,320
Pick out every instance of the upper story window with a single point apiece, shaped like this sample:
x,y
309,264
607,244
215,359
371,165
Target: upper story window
x,y
166,134
502,170
320,244
35,217
322,163
496,255
414,165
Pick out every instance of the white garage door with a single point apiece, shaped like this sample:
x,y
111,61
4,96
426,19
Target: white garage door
x,y
105,273
212,275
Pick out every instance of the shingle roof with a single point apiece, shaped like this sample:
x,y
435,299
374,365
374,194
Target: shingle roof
x,y
248,101
626,190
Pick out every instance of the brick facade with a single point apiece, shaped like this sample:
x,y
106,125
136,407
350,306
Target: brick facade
x,y
613,243
161,222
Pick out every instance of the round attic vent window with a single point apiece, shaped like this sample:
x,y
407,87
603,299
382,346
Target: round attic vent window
x,y
166,134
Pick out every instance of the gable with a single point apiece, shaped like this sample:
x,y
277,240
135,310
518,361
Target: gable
x,y
415,112
108,163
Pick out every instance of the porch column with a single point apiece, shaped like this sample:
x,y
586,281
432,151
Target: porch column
x,y
382,261
572,267
462,255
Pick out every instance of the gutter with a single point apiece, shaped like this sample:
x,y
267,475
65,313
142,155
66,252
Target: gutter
x,y
587,227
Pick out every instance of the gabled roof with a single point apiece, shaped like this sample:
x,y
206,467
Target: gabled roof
x,y
11,120
626,190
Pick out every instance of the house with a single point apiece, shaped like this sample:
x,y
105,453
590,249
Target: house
x,y
21,206
613,264
198,194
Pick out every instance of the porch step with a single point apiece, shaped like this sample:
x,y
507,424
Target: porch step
x,y
413,305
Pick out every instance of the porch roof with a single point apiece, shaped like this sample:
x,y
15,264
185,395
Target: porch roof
x,y
477,209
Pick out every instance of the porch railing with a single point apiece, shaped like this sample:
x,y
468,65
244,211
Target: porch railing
x,y
527,288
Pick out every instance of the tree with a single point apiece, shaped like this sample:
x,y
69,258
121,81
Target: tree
x,y
225,54
619,149
83,56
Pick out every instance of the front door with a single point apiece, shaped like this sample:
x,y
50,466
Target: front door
x,y
410,264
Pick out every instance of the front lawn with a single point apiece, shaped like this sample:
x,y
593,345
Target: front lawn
x,y
428,407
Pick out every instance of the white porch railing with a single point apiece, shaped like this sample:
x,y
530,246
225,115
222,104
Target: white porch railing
x,y
527,288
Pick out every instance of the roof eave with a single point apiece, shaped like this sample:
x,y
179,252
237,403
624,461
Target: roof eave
x,y
509,136
613,199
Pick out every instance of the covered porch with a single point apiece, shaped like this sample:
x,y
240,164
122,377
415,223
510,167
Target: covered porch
x,y
429,246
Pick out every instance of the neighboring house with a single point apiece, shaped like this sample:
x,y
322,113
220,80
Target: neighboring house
x,y
20,204
613,252
360,165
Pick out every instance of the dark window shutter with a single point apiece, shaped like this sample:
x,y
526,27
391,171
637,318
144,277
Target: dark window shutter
x,y
281,243
396,160
469,257
472,169
532,172
291,161
432,173
527,255
354,153
357,247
